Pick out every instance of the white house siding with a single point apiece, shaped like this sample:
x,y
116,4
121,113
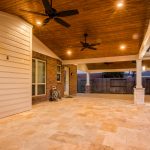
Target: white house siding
x,y
15,65
39,47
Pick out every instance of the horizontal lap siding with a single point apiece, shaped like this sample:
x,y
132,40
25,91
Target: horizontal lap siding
x,y
15,65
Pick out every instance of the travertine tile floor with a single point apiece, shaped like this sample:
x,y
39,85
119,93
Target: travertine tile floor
x,y
82,123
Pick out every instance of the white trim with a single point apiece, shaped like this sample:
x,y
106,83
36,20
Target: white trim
x,y
31,35
82,67
36,78
59,73
146,58
145,44
87,79
112,70
100,60
39,47
67,81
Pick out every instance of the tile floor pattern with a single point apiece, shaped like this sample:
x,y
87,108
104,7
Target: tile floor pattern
x,y
80,123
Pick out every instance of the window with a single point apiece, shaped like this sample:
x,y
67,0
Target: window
x,y
58,73
38,77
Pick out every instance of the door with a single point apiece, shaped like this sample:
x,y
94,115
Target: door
x,y
66,72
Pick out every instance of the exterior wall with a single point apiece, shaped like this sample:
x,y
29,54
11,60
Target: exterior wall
x,y
40,51
15,65
51,76
73,79
39,47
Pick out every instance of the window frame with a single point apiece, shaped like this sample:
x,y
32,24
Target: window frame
x,y
36,77
59,73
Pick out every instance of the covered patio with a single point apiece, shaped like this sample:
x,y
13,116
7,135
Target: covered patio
x,y
43,45
88,121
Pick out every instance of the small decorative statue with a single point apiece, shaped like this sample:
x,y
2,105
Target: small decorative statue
x,y
54,94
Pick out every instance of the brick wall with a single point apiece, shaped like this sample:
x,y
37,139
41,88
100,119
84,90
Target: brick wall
x,y
51,76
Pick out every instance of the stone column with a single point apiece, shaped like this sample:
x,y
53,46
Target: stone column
x,y
87,86
139,91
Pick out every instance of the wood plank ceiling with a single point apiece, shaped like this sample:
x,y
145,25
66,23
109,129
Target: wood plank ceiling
x,y
117,65
101,19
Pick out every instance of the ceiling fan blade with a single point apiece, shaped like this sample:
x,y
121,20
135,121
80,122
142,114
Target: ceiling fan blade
x,y
93,48
108,63
47,6
33,12
82,42
94,44
83,48
46,21
62,22
68,13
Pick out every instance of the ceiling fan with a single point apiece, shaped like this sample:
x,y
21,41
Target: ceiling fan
x,y
52,13
86,45
148,50
108,63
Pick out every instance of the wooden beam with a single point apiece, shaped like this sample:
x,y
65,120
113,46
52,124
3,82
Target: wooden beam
x,y
100,60
115,70
146,43
146,58
82,67
112,70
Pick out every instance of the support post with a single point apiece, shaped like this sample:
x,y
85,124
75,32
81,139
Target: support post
x,y
139,91
87,86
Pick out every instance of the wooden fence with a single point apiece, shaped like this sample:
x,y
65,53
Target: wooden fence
x,y
113,85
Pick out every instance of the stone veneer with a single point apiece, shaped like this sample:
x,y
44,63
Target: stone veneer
x,y
86,122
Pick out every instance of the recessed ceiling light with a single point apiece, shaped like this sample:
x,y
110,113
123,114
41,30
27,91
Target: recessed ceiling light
x,y
69,52
135,36
120,4
143,68
38,23
122,47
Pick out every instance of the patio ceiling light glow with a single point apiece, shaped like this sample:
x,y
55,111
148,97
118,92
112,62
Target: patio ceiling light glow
x,y
69,52
135,36
122,47
38,23
120,4
143,68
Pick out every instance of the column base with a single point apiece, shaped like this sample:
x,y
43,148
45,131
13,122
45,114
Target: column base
x,y
87,89
139,95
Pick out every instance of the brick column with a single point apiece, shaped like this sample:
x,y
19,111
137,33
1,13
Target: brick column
x,y
139,91
87,86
